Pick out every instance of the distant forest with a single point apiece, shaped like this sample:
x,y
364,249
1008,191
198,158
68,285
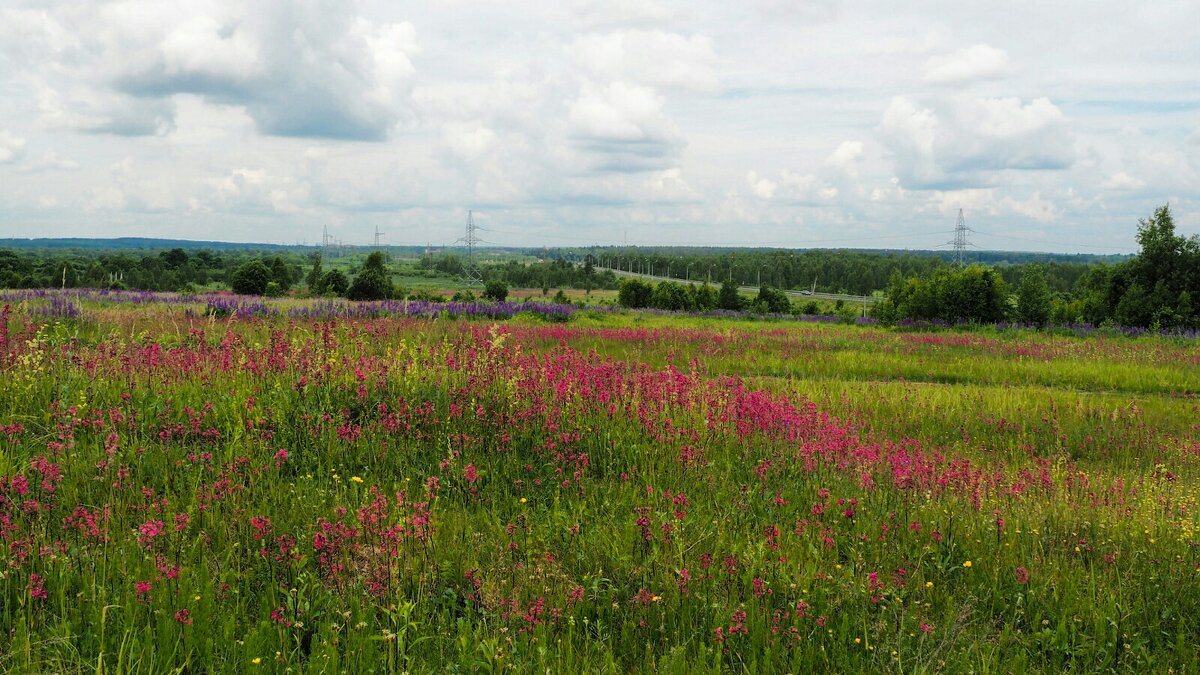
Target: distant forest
x,y
1160,286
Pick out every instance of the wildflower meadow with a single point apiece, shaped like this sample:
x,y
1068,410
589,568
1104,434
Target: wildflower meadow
x,y
194,486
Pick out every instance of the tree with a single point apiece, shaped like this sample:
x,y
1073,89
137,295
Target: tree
x,y
315,277
372,282
175,258
495,290
251,278
772,300
1033,297
704,297
335,282
635,293
729,298
670,295
280,273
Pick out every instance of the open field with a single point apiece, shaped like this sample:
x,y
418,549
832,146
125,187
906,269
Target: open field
x,y
616,492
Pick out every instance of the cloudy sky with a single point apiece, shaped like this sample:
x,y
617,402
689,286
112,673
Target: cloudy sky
x,y
1054,125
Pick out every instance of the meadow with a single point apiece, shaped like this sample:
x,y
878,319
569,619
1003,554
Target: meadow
x,y
310,489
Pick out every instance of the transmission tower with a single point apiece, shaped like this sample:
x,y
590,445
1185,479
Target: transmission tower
x,y
960,242
378,235
471,272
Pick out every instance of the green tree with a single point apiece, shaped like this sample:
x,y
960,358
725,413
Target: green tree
x,y
672,296
635,293
335,282
281,274
1034,300
316,279
372,283
729,298
772,300
495,290
251,278
704,297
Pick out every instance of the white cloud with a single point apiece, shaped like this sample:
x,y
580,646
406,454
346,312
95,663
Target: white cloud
x,y
247,120
621,12
846,157
1034,207
761,186
468,141
650,57
12,147
963,141
978,62
1123,181
623,126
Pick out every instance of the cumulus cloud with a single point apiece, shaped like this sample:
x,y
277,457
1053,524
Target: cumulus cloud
x,y
650,57
846,157
805,11
1034,207
962,141
761,186
977,62
1123,181
621,12
624,126
12,147
309,68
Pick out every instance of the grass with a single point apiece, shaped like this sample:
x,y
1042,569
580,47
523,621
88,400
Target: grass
x,y
621,493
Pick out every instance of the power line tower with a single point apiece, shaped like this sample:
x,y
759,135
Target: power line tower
x,y
960,242
378,235
471,272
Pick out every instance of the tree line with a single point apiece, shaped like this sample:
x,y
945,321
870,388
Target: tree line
x,y
1157,288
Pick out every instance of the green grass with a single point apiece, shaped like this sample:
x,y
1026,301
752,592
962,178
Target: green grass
x,y
466,497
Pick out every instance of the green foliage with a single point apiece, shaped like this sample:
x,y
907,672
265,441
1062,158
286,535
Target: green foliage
x,y
495,290
772,300
316,278
671,296
335,282
635,293
973,294
1034,301
373,282
704,297
281,273
1157,288
729,298
251,278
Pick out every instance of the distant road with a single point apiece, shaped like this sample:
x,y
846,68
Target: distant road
x,y
861,299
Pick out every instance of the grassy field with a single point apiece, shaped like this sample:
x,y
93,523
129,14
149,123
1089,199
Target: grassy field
x,y
621,492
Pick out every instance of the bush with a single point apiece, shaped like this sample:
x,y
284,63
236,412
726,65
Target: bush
x,y
495,290
635,293
251,278
334,282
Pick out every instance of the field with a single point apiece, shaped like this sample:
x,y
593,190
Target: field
x,y
617,492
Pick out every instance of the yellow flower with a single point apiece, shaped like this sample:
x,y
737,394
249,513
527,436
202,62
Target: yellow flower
x,y
928,584
256,660
197,598
355,479
967,564
858,641
523,500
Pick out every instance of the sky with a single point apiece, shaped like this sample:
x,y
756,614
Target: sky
x,y
1054,126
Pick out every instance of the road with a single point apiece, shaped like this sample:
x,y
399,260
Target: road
x,y
860,299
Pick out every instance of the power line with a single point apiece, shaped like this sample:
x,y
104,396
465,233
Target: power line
x,y
960,242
